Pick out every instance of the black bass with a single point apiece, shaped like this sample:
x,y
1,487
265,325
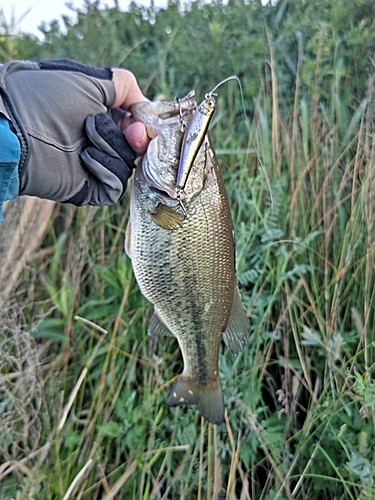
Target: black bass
x,y
182,249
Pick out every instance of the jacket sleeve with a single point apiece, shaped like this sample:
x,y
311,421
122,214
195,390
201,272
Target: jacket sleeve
x,y
48,103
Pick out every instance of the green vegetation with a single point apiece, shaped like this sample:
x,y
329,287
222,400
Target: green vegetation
x,y
82,388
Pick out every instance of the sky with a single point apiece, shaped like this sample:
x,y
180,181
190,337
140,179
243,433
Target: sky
x,y
48,10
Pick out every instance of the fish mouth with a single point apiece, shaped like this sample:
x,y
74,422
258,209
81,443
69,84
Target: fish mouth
x,y
163,193
159,176
158,114
155,183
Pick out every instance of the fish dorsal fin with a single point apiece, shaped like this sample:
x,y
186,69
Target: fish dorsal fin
x,y
157,327
237,333
166,218
128,239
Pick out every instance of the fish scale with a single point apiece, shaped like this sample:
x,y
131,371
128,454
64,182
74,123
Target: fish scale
x,y
188,273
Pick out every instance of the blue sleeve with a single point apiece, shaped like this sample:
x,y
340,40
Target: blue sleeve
x,y
10,152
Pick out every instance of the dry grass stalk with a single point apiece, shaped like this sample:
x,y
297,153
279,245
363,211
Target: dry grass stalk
x,y
25,226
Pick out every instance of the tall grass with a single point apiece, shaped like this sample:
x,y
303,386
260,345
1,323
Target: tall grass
x,y
82,387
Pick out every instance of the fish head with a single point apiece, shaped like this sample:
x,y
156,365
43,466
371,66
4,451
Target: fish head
x,y
166,122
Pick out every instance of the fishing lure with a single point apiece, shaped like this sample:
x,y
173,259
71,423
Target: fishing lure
x,y
196,132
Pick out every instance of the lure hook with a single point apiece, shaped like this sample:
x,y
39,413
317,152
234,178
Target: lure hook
x,y
185,211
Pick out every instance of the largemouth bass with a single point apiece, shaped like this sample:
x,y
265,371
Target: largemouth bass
x,y
182,249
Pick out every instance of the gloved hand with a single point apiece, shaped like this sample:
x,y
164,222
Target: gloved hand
x,y
109,162
47,104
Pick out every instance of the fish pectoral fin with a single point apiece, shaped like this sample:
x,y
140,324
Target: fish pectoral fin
x,y
237,333
128,239
157,327
208,397
166,218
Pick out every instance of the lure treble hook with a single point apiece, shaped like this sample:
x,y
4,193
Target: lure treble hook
x,y
183,207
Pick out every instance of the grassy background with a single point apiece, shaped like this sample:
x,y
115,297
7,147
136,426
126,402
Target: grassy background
x,y
82,388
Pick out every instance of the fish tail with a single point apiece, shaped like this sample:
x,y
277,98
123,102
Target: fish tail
x,y
208,397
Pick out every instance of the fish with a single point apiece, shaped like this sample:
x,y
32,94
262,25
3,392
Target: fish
x,y
181,245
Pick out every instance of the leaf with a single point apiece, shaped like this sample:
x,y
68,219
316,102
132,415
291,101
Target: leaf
x,y
311,337
51,328
361,467
111,429
110,278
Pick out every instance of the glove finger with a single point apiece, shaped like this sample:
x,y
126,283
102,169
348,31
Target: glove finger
x,y
96,160
112,174
107,136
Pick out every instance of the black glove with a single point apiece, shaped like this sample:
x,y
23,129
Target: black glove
x,y
110,163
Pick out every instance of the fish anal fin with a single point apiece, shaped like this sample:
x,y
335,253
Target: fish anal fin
x,y
128,239
166,218
237,333
208,397
157,327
